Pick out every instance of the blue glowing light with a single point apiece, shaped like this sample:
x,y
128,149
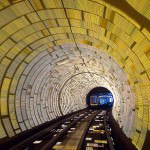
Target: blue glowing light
x,y
100,99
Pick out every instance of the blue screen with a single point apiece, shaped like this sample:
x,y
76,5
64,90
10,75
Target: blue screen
x,y
102,99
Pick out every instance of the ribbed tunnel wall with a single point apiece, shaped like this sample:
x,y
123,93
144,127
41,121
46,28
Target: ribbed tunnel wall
x,y
53,52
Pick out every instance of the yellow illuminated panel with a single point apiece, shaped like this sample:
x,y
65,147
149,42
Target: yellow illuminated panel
x,y
88,17
59,30
50,23
62,22
4,4
4,96
74,14
15,25
2,131
85,5
36,4
20,8
141,6
8,127
78,30
51,14
52,3
124,24
12,111
6,46
60,36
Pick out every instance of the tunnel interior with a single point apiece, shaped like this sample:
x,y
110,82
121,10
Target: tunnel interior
x,y
53,52
100,98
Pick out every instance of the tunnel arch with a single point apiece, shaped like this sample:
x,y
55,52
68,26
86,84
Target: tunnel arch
x,y
44,43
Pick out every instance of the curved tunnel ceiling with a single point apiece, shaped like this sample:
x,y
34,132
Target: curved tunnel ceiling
x,y
53,52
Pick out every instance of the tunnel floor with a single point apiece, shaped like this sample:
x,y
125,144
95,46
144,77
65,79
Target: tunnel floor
x,y
88,129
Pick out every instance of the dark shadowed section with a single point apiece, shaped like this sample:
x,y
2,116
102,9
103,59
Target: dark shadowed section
x,y
96,93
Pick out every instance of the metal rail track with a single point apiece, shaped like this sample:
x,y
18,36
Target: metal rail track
x,y
22,140
52,142
58,131
25,144
97,134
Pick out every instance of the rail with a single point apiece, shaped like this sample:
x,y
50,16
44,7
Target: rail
x,y
31,139
28,137
111,147
83,143
52,142
85,131
73,120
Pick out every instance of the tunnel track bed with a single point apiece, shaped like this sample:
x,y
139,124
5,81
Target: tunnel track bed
x,y
92,133
98,135
48,136
74,135
84,130
58,133
26,138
